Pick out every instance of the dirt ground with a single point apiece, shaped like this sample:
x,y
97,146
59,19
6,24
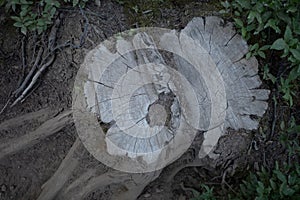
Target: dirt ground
x,y
22,173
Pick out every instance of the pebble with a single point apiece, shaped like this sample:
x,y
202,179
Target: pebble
x,y
147,195
3,188
12,187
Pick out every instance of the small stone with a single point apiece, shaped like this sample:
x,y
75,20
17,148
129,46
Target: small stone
x,y
3,188
147,195
12,187
158,190
98,3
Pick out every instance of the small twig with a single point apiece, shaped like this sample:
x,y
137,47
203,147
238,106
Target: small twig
x,y
186,188
37,85
225,182
29,75
5,106
53,33
34,79
23,56
274,116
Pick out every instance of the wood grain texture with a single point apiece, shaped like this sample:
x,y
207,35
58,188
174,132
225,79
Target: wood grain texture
x,y
228,49
206,85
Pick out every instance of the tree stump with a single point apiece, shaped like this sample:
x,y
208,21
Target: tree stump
x,y
141,97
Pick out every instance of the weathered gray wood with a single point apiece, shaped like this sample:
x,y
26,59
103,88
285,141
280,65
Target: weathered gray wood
x,y
240,76
207,56
227,49
122,90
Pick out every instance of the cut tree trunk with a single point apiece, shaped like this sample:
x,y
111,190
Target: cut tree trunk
x,y
141,97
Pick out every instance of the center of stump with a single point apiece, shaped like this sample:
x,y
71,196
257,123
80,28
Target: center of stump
x,y
157,115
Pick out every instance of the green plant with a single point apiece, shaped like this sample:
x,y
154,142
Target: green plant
x,y
279,183
289,136
80,3
275,24
34,15
206,194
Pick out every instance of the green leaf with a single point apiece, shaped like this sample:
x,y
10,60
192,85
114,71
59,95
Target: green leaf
x,y
279,44
273,24
18,24
225,4
23,13
223,11
261,54
286,190
254,47
296,53
292,9
17,19
248,55
292,179
75,2
52,11
280,176
259,6
40,29
24,30
260,188
244,32
2,2
273,184
41,22
25,2
282,125
237,13
238,22
251,27
265,47
244,3
288,34
13,7
284,17
251,17
28,23
24,7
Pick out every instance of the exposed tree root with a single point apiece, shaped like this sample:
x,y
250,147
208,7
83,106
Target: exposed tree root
x,y
130,185
48,128
60,177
